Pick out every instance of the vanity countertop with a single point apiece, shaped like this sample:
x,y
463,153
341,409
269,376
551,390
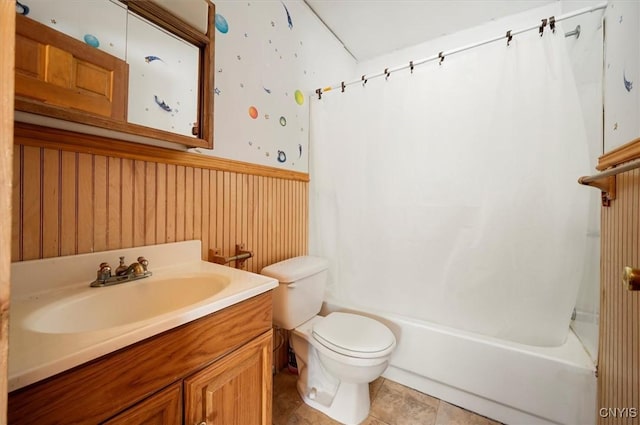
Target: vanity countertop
x,y
35,354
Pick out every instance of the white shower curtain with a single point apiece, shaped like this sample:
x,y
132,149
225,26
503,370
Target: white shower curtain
x,y
450,194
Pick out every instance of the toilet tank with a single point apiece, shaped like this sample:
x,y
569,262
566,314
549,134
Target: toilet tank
x,y
299,295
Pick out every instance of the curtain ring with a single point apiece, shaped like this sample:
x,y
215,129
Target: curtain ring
x,y
342,87
386,73
411,66
552,24
319,93
441,56
364,81
541,29
509,37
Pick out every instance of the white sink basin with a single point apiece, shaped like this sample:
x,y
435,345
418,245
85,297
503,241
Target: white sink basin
x,y
123,304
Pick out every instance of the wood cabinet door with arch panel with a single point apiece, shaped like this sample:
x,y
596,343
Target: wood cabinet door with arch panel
x,y
236,390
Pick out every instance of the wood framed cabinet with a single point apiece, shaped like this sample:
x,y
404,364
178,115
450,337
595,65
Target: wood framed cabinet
x,y
214,370
233,391
132,67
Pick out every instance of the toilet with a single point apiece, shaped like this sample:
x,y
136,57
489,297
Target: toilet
x,y
337,355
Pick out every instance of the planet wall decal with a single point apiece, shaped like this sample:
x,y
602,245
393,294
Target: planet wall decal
x,y
253,112
91,40
299,97
221,24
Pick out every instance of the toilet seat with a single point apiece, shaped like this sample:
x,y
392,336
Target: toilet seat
x,y
354,336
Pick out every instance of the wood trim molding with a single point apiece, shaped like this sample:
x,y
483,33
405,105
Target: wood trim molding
x,y
207,87
44,137
625,153
167,20
7,58
66,114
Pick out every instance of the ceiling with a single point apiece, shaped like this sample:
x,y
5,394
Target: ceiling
x,y
370,28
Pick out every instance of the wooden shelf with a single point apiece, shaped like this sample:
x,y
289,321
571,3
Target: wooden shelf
x,y
619,160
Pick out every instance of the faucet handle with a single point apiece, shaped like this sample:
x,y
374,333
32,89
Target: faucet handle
x,y
104,272
143,262
122,268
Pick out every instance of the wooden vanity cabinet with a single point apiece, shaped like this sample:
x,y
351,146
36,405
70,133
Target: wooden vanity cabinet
x,y
214,370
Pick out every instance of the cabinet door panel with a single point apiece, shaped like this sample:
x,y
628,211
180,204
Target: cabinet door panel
x,y
55,69
163,408
235,390
103,23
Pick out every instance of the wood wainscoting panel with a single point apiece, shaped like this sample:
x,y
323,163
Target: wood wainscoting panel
x,y
71,203
619,350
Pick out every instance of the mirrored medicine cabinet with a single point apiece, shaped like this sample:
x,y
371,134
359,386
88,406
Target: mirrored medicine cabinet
x,y
136,67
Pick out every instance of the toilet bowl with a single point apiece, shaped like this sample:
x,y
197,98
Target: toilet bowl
x,y
337,355
334,373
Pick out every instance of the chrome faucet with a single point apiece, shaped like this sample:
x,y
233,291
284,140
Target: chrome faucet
x,y
135,271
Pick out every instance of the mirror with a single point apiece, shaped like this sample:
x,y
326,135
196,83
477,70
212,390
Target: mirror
x,y
132,66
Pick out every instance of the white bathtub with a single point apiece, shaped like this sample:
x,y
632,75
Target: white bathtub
x,y
509,382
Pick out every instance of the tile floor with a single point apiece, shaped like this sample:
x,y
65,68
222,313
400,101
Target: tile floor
x,y
391,404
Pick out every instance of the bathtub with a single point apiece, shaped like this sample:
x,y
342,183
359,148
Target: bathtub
x,y
513,383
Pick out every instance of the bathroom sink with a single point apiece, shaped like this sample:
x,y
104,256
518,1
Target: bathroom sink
x,y
102,308
59,322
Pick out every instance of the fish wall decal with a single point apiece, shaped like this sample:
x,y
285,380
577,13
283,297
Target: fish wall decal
x,y
22,9
162,104
627,84
149,59
289,21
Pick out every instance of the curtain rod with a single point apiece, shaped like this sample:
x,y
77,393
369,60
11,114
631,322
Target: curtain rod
x,y
441,56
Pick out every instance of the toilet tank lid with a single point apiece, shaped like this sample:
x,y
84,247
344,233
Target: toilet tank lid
x,y
295,268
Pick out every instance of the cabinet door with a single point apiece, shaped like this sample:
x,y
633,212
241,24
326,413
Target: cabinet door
x,y
100,24
235,390
54,69
163,408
